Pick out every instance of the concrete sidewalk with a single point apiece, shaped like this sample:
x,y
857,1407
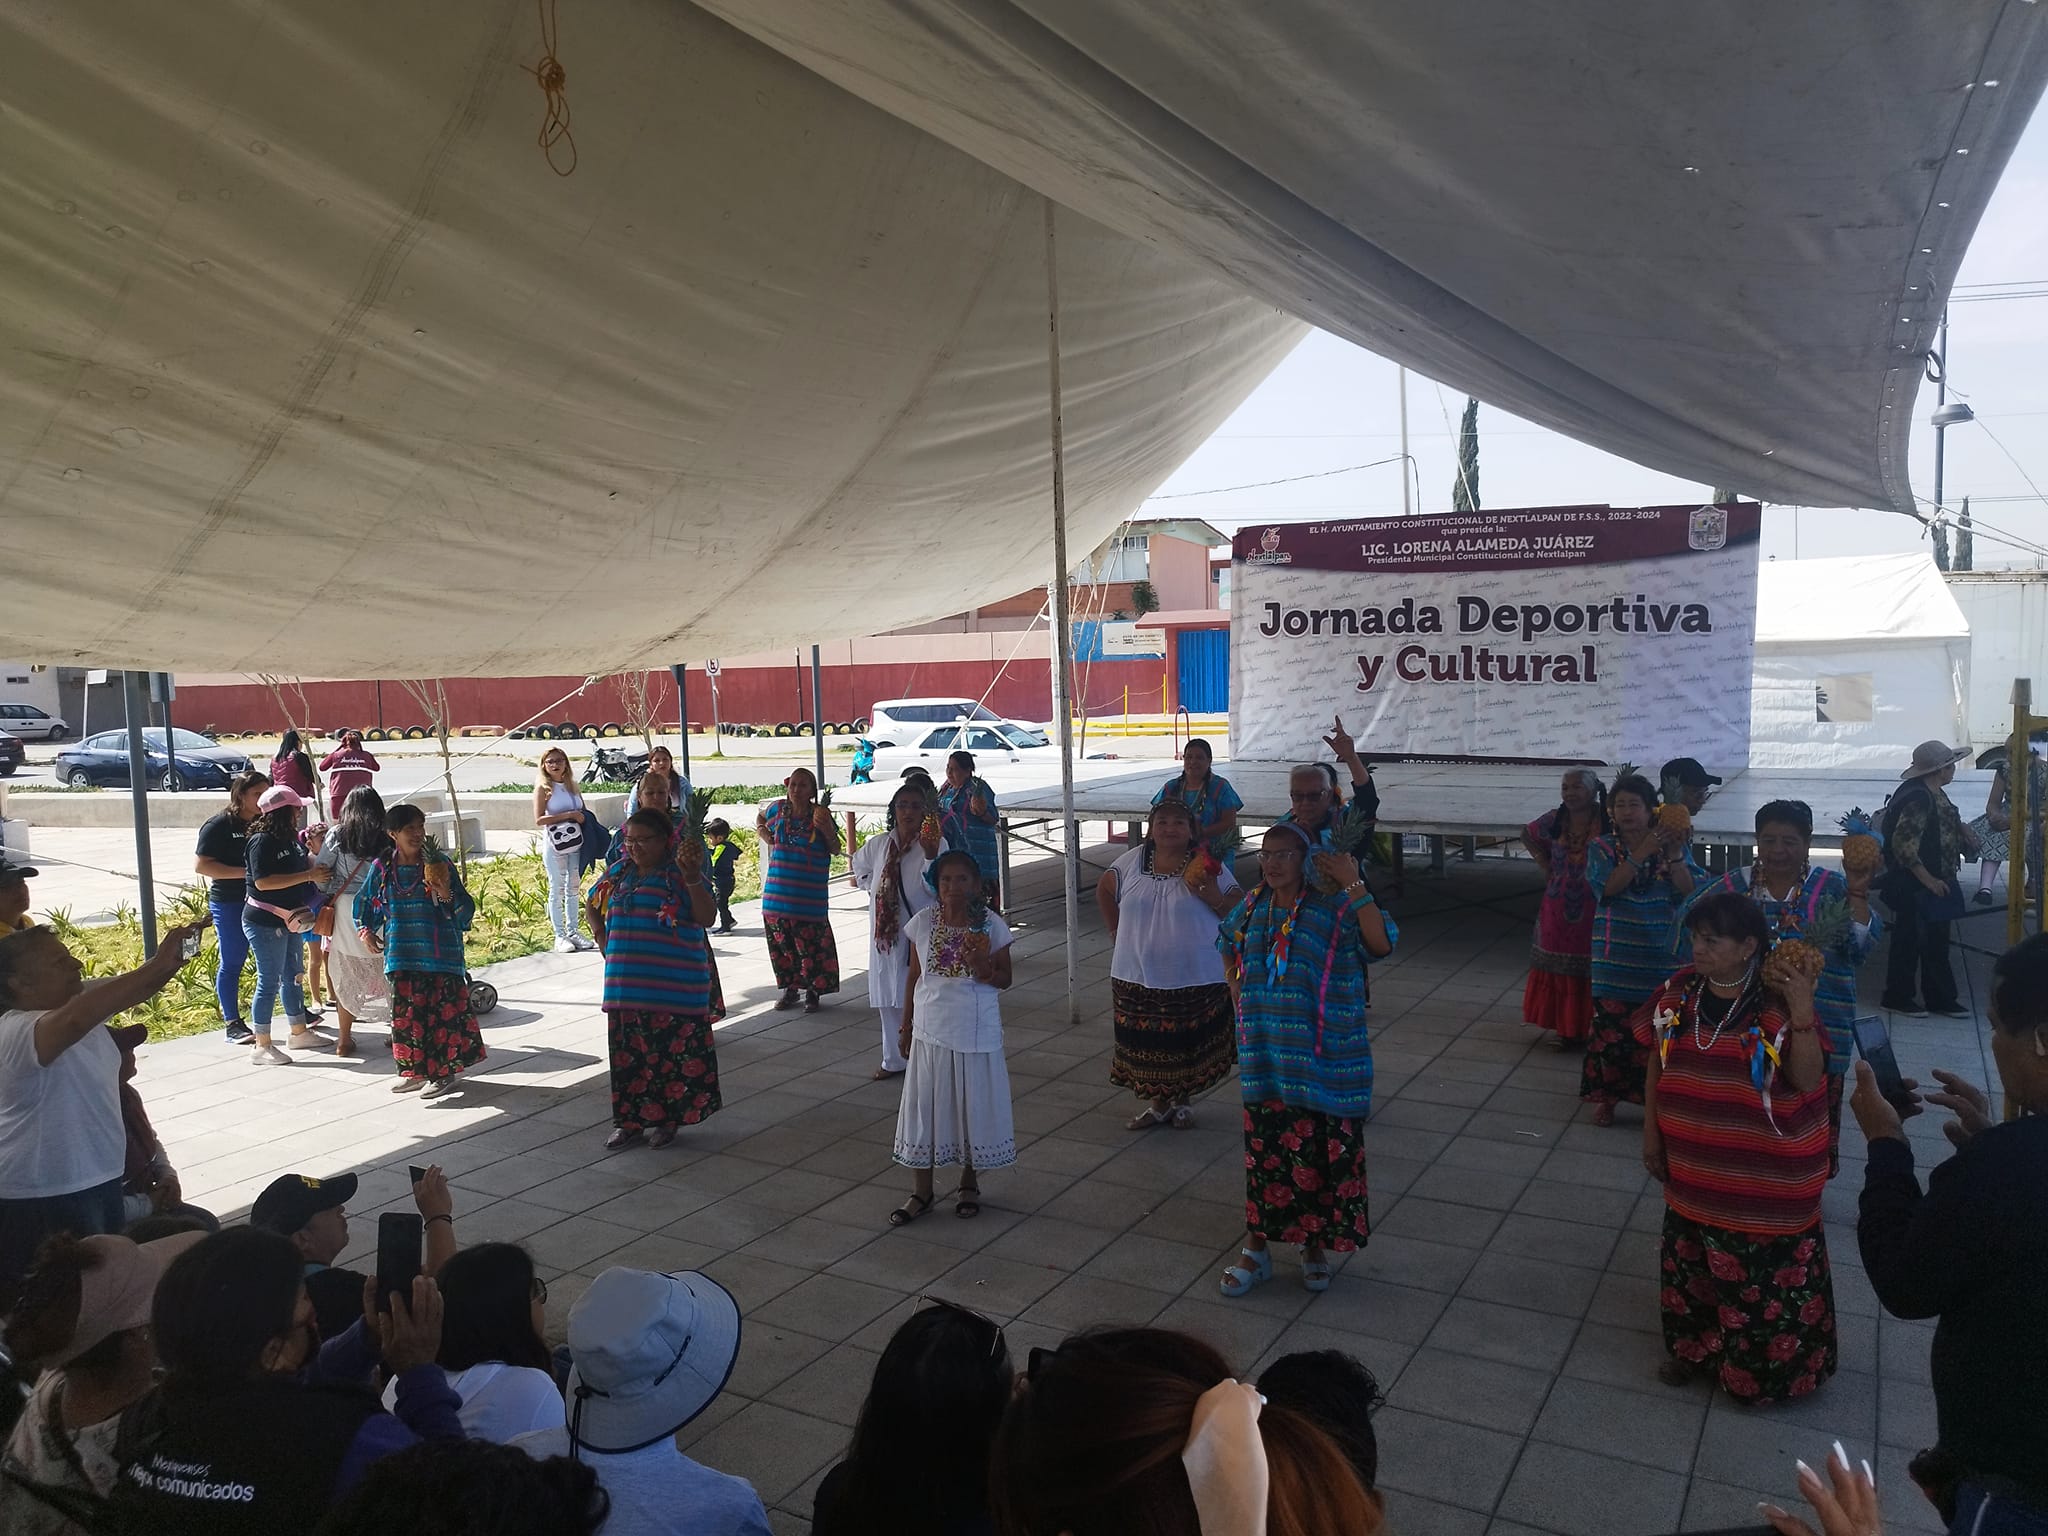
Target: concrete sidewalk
x,y
1507,1299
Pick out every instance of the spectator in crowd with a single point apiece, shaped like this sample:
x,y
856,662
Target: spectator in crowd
x,y
1820,907
1684,782
649,1353
1139,1429
343,868
661,788
258,1427
493,1315
81,1318
1994,828
661,990
14,879
1735,1127
292,766
1971,1251
149,1184
558,812
1210,799
471,1488
1925,843
313,1214
1846,1505
1176,1035
348,767
62,1146
1316,804
1641,876
797,840
941,1385
1338,1394
968,819
1558,995
890,867
1296,960
276,912
222,856
722,856
956,1092
413,910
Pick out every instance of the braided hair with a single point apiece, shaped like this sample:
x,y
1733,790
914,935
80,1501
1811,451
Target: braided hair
x,y
1561,818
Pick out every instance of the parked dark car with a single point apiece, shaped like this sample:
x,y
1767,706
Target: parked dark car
x,y
11,755
103,759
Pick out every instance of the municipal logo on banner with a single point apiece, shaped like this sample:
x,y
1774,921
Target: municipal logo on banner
x,y
1619,633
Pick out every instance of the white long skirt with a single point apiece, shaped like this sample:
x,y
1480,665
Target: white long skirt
x,y
355,974
955,1109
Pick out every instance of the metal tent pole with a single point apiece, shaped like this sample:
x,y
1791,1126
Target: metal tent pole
x,y
1062,626
135,707
681,672
818,722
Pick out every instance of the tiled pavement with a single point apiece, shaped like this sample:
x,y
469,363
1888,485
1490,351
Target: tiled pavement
x,y
1506,1300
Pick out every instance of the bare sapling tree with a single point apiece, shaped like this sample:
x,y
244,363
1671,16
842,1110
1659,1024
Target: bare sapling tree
x,y
432,698
642,696
289,694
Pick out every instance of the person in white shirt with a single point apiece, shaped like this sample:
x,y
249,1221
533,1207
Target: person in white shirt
x,y
558,812
492,1348
956,1095
650,1352
1176,1031
62,1145
890,868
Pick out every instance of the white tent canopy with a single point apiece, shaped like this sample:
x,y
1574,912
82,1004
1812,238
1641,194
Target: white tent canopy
x,y
313,364
1858,660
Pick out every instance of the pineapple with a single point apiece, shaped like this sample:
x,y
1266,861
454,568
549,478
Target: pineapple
x,y
1862,852
1353,835
436,868
1674,817
1807,949
930,830
1201,863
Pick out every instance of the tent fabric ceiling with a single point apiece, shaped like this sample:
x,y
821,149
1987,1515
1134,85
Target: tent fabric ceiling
x,y
1714,238
312,366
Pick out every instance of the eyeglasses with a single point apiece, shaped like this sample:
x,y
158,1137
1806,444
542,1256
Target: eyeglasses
x,y
1279,855
540,1290
995,1328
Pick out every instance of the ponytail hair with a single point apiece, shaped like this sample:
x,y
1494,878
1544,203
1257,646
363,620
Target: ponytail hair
x,y
1603,824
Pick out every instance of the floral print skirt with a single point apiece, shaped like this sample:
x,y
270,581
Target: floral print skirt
x,y
1615,1064
1758,1313
664,1068
1173,1043
1304,1177
804,954
433,1033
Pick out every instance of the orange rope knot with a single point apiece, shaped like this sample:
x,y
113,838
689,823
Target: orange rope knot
x,y
554,84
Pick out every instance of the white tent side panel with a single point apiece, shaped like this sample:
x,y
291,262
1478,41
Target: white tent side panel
x,y
1858,660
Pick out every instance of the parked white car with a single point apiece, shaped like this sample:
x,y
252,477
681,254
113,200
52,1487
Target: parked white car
x,y
899,722
31,723
992,745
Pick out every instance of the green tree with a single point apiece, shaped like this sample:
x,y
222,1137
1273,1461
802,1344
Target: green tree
x,y
1144,598
1938,535
1465,489
1722,496
1966,541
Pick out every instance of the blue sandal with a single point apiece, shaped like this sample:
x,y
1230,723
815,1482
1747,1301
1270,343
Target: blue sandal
x,y
1240,1278
1315,1273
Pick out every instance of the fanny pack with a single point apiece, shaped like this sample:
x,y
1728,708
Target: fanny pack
x,y
297,919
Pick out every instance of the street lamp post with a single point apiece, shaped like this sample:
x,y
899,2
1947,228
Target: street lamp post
x,y
1945,415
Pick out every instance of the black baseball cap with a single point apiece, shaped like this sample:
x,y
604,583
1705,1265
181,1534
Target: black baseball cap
x,y
289,1202
1687,771
11,871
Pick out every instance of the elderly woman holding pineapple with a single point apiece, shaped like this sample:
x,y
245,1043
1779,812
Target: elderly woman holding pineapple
x,y
1641,874
1826,912
1294,954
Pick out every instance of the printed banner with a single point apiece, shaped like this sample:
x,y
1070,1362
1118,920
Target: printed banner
x,y
1619,633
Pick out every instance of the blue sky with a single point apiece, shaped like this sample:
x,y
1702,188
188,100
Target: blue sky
x,y
1332,404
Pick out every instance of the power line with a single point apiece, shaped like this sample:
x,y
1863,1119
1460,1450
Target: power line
x,y
2016,464
1256,485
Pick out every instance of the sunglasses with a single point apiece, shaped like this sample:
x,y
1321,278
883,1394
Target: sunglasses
x,y
995,1328
540,1290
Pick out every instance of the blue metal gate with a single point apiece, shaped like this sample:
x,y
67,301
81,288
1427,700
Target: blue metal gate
x,y
1205,671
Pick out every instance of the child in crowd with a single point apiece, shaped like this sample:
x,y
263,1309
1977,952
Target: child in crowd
x,y
725,859
956,1092
413,910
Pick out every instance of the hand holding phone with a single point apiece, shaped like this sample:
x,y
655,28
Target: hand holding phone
x,y
401,1240
1874,1043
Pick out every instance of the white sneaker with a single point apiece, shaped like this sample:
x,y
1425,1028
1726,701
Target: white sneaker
x,y
582,944
442,1085
565,946
268,1056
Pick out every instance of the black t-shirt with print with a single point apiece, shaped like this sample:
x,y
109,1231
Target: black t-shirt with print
x,y
226,840
270,854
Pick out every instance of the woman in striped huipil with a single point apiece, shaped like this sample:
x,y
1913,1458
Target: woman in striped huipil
x,y
1641,875
648,913
798,840
1736,1130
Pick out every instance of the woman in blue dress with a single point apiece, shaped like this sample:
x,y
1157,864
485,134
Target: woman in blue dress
x,y
798,839
1210,799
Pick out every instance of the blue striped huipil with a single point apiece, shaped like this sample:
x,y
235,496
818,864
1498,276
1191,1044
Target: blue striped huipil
x,y
1302,1037
1213,799
420,934
1834,995
1632,947
799,867
656,958
964,830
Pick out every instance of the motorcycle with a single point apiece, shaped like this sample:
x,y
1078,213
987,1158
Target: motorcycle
x,y
614,765
863,761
